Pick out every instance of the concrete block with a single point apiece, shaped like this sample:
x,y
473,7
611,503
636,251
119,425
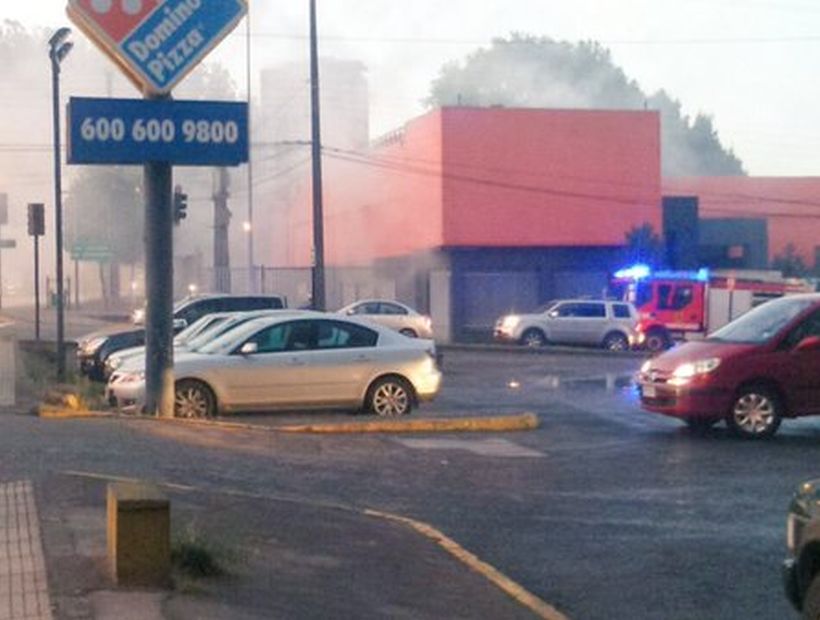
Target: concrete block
x,y
139,535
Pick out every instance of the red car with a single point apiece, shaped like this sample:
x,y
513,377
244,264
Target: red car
x,y
752,373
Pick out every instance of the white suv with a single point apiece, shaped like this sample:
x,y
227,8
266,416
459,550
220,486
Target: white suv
x,y
608,324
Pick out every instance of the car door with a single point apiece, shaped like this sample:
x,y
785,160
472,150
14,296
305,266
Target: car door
x,y
803,366
393,316
340,366
563,323
276,374
592,322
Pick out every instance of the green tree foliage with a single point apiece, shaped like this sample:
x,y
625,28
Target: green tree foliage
x,y
644,245
537,72
790,263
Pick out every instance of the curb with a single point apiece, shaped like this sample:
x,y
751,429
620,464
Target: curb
x,y
524,422
508,423
527,599
61,413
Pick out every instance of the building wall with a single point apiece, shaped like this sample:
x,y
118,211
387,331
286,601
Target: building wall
x,y
486,177
790,206
734,243
534,177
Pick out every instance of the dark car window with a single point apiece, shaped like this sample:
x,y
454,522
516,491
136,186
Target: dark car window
x,y
337,335
643,293
369,307
197,309
762,323
809,327
621,311
273,339
591,311
387,308
566,310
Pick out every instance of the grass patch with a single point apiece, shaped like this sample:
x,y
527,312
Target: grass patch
x,y
194,556
36,379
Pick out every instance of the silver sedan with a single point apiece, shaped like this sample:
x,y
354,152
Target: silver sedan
x,y
296,361
392,314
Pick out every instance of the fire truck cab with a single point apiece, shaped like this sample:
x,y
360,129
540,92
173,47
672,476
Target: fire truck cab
x,y
687,305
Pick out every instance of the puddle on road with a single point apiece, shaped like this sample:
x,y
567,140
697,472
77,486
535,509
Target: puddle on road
x,y
609,382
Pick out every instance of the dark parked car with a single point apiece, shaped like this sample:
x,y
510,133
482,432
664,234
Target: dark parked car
x,y
752,373
801,569
94,348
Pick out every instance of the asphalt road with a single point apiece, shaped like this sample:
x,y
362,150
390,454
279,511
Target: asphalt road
x,y
605,511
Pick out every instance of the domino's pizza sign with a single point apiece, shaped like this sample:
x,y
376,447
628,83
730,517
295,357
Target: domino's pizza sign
x,y
157,42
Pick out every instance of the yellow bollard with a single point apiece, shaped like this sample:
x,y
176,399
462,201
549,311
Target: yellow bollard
x,y
139,535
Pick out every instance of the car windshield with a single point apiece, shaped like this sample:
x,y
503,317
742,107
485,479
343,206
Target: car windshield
x,y
762,323
546,306
198,327
223,344
217,331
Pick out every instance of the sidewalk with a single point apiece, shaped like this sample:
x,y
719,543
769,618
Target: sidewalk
x,y
284,559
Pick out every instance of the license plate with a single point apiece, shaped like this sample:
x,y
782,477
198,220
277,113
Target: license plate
x,y
649,391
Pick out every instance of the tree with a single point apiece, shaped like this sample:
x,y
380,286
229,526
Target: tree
x,y
644,245
790,263
528,71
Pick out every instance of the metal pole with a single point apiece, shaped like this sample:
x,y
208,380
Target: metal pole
x,y
58,216
318,272
159,289
76,284
37,287
251,279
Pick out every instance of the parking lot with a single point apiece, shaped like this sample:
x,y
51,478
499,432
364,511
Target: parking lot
x,y
605,511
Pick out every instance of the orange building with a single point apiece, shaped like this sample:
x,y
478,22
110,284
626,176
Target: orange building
x,y
472,212
789,206
489,177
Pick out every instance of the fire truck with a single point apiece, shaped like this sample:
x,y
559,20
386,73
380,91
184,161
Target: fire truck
x,y
687,305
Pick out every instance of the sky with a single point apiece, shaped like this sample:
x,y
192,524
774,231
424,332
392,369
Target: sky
x,y
747,63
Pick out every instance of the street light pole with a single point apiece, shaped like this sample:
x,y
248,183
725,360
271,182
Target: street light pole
x,y
58,50
318,272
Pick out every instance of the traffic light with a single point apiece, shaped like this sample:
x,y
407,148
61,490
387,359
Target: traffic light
x,y
180,205
36,219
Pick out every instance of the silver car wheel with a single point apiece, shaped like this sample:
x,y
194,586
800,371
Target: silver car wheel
x,y
390,398
193,400
533,338
754,414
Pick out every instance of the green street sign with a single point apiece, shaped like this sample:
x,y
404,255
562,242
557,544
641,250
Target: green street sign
x,y
97,252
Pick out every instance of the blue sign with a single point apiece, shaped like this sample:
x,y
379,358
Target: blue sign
x,y
176,36
136,131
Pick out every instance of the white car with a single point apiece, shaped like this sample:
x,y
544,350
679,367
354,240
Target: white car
x,y
392,314
296,360
603,323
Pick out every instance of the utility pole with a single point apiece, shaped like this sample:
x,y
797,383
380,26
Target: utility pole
x,y
222,220
318,272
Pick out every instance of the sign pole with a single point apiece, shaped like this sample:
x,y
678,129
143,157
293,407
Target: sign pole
x,y
159,288
37,287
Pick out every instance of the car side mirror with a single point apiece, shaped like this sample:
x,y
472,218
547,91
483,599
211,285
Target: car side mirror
x,y
249,348
180,324
809,343
553,314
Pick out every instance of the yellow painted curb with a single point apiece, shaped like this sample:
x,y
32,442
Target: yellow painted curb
x,y
525,422
61,413
539,607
